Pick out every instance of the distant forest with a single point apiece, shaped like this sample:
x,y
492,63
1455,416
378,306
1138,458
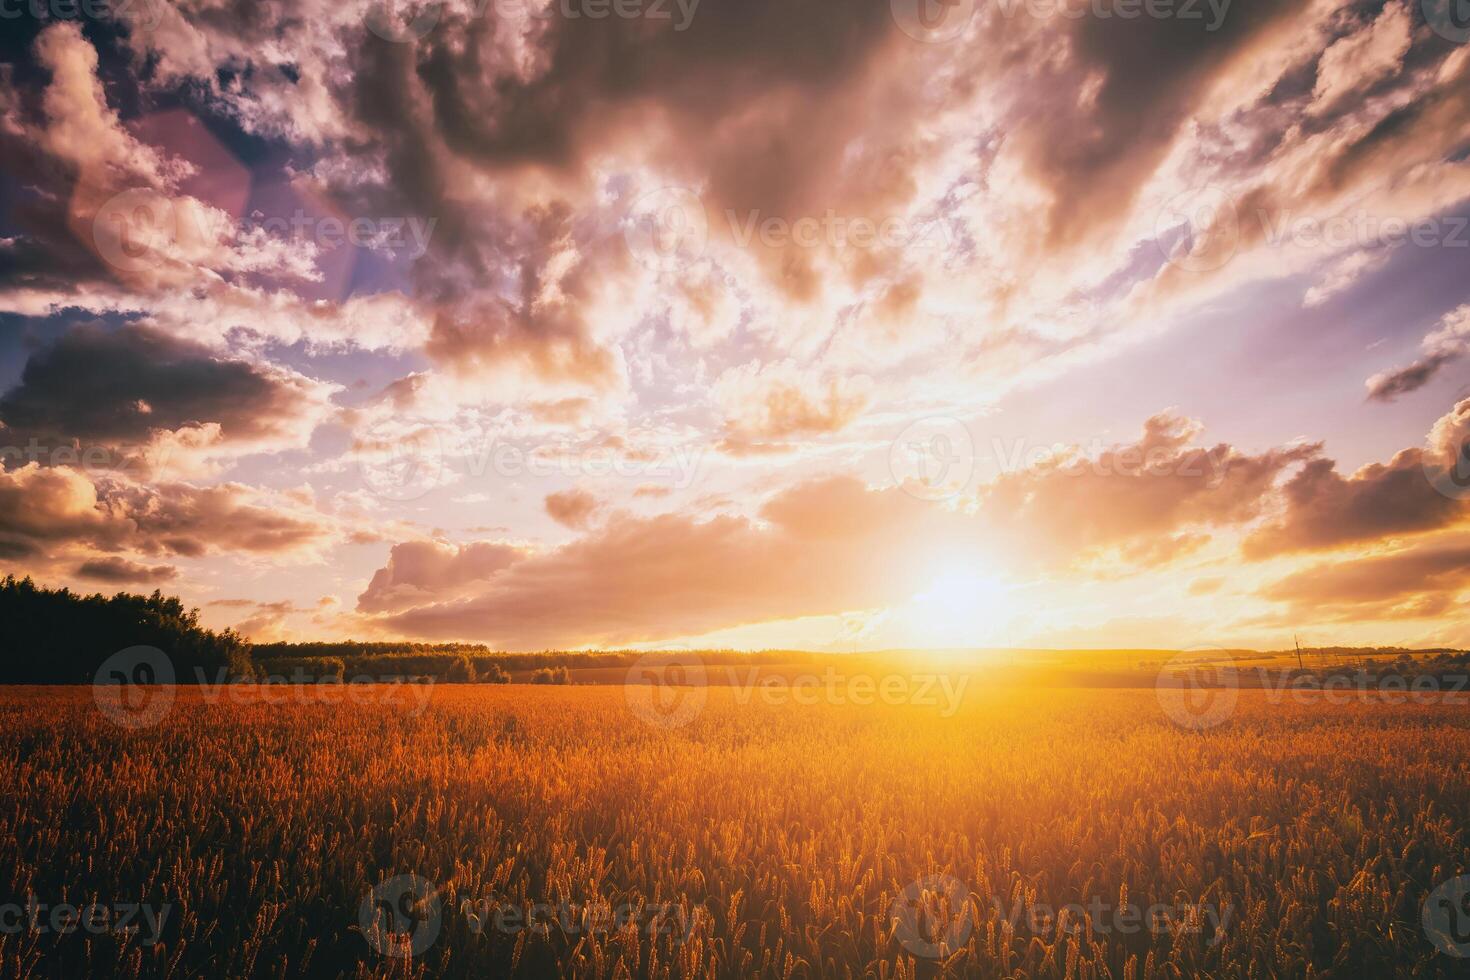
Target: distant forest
x,y
62,637
471,661
56,636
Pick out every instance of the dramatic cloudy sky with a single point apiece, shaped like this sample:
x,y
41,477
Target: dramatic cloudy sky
x,y
825,323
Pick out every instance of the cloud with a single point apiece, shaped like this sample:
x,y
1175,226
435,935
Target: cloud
x,y
81,129
1414,583
67,140
178,518
767,406
1412,493
1292,184
703,305
1042,152
1325,509
106,212
1133,86
427,571
527,138
1077,505
138,394
121,571
544,323
572,508
267,623
828,545
1355,62
563,411
109,222
49,514
1206,585
1444,346
42,506
638,578
1344,273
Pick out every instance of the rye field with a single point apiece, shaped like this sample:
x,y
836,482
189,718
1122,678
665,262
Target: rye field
x,y
524,831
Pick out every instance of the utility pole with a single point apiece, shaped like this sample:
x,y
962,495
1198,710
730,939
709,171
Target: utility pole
x,y
1300,666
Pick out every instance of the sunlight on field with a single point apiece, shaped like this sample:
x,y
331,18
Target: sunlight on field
x,y
538,831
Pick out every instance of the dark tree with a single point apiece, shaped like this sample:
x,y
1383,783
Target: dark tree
x,y
61,637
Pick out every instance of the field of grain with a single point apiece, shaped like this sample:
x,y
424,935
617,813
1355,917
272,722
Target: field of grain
x,y
544,831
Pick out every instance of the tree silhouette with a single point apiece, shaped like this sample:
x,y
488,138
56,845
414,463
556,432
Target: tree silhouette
x,y
56,636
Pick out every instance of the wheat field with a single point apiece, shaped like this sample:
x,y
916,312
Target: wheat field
x,y
551,831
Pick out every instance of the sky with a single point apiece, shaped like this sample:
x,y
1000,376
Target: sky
x,y
831,324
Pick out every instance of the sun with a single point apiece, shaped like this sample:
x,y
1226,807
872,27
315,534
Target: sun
x,y
963,605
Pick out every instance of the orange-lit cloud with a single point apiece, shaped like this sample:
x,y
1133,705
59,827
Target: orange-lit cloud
x,y
674,288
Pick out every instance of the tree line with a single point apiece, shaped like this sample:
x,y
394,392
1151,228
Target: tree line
x,y
56,636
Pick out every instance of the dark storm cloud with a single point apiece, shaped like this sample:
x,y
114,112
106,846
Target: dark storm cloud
x,y
115,387
122,571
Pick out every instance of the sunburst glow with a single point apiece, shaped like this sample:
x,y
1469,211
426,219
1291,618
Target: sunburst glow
x,y
963,605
